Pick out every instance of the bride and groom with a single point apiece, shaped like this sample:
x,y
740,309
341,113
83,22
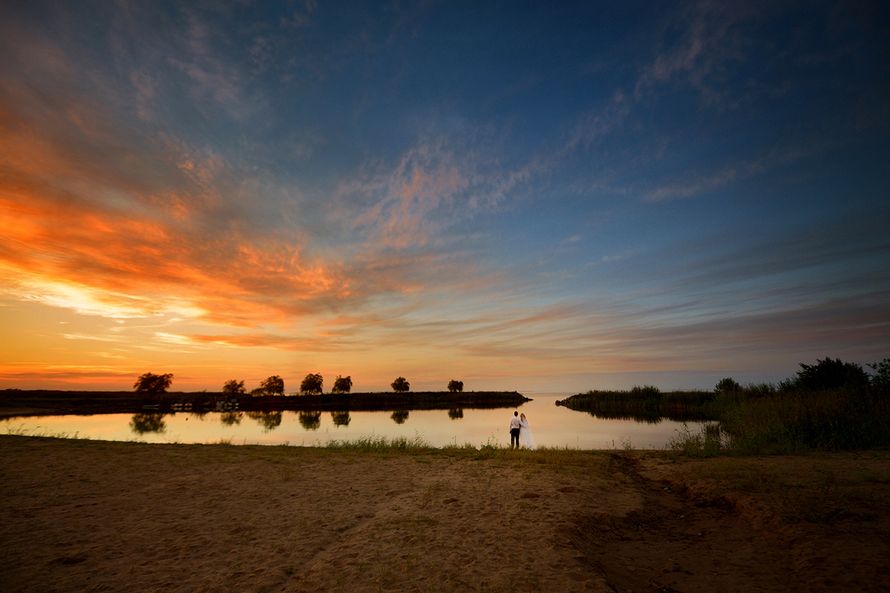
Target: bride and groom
x,y
520,433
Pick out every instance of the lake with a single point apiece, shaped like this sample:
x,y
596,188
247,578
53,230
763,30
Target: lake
x,y
551,426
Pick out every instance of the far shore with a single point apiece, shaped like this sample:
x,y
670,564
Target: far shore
x,y
79,515
16,402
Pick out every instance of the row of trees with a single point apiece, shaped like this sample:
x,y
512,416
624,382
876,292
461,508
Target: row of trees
x,y
313,383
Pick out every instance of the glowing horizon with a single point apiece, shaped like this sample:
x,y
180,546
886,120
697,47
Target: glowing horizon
x,y
557,199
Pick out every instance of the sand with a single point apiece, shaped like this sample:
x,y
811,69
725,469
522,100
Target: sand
x,y
99,516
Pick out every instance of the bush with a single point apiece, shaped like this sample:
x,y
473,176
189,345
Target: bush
x,y
645,391
727,385
830,374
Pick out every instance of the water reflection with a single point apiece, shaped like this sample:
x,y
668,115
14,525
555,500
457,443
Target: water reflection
x,y
310,420
144,423
268,420
554,426
231,418
341,418
399,416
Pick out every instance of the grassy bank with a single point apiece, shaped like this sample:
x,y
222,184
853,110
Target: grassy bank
x,y
646,404
758,419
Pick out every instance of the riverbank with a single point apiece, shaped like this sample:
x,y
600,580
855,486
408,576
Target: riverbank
x,y
91,515
16,402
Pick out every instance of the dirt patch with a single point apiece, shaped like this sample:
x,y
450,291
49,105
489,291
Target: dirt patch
x,y
99,516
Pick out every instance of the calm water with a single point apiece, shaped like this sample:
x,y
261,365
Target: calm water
x,y
551,426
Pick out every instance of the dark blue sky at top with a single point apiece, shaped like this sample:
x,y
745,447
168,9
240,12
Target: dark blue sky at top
x,y
705,178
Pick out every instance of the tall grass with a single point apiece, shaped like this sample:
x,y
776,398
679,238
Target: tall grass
x,y
372,443
765,420
791,421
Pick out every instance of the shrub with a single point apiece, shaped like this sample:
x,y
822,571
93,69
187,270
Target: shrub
x,y
830,374
727,385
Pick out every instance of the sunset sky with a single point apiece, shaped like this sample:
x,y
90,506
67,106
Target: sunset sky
x,y
534,196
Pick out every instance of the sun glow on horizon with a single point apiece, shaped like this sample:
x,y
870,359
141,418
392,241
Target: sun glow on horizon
x,y
550,200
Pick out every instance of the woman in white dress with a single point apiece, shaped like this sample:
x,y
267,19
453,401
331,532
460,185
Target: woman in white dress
x,y
526,440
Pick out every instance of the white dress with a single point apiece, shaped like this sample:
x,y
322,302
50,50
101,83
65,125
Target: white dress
x,y
526,439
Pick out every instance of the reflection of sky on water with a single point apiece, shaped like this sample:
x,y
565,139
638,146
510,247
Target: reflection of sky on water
x,y
552,426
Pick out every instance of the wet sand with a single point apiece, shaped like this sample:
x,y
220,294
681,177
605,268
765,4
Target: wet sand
x,y
104,516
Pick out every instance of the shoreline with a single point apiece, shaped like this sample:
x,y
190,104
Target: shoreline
x,y
14,402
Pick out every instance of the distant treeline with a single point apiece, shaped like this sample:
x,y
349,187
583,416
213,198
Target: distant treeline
x,y
29,402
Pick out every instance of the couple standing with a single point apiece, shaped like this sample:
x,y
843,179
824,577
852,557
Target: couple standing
x,y
520,433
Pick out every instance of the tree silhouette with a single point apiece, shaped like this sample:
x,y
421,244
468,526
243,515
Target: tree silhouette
x,y
312,383
399,416
233,387
456,413
342,384
151,383
727,385
401,385
881,379
455,386
273,385
830,374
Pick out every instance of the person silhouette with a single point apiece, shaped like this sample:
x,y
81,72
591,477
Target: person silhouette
x,y
526,440
515,426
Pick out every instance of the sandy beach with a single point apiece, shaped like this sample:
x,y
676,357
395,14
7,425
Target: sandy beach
x,y
102,516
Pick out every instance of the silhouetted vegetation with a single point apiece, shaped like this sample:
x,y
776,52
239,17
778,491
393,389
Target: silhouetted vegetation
x,y
273,385
829,405
401,385
152,383
399,416
42,402
312,383
342,384
645,404
233,387
456,413
727,385
830,374
880,381
455,386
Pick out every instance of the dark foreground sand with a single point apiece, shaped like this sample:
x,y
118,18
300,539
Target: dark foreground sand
x,y
97,516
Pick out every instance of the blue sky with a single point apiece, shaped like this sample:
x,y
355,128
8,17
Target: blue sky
x,y
520,195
